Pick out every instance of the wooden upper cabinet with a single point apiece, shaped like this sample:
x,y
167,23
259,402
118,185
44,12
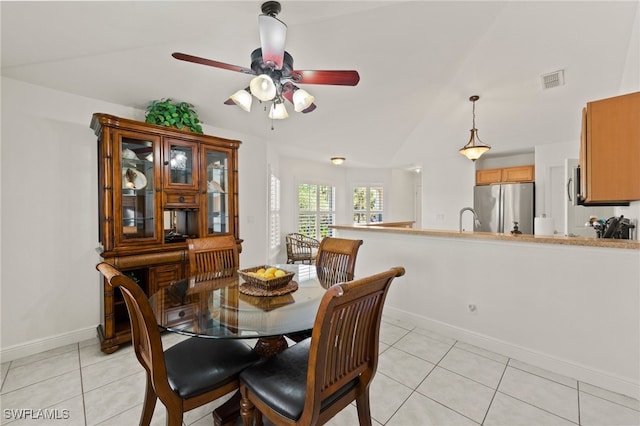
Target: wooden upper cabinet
x,y
610,150
159,186
505,175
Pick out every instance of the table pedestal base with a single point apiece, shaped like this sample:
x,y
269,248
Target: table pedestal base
x,y
228,412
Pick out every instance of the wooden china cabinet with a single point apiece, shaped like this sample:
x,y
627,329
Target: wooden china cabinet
x,y
157,187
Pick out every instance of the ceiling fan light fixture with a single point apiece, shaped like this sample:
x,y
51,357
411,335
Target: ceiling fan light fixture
x,y
278,111
475,147
302,100
337,160
243,99
263,87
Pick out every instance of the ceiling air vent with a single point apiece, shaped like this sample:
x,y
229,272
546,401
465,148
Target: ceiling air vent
x,y
553,79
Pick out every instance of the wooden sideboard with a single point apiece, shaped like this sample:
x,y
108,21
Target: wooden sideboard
x,y
157,187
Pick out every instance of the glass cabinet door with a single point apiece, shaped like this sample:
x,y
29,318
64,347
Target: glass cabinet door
x,y
181,164
217,210
136,188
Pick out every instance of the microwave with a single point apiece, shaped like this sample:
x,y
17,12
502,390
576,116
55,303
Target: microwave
x,y
574,192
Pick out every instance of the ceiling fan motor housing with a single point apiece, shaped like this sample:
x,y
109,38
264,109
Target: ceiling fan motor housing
x,y
258,67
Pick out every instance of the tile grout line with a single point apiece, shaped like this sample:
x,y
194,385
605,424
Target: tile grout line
x,y
4,377
495,392
84,405
578,395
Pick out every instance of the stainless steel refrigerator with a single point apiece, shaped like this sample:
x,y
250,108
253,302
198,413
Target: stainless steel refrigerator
x,y
499,206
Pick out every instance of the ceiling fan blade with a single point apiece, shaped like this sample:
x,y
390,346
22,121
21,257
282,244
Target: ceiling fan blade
x,y
211,63
310,108
337,78
273,34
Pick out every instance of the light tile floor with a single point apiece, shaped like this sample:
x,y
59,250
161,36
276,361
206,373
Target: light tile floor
x,y
423,379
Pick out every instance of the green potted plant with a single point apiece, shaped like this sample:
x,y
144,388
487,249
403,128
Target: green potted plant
x,y
166,112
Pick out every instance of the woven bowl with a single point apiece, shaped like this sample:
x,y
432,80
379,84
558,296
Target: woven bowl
x,y
272,284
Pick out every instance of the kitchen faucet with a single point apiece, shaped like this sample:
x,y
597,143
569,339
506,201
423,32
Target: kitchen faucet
x,y
475,217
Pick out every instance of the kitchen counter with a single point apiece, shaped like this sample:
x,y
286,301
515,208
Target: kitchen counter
x,y
544,239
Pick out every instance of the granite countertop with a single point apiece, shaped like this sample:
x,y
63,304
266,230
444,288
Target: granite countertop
x,y
525,238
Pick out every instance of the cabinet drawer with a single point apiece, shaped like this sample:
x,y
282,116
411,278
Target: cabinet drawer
x,y
160,276
181,199
179,315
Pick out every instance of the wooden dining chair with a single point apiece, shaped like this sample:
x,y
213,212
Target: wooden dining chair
x,y
213,254
310,382
335,263
189,374
336,260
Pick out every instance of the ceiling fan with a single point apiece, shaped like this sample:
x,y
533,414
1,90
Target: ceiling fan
x,y
276,79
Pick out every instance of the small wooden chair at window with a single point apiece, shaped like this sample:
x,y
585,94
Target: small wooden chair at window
x,y
301,248
335,263
213,254
310,382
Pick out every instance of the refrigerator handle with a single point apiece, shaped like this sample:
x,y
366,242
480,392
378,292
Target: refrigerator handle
x,y
501,211
569,189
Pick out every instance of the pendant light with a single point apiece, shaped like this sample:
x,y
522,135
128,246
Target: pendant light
x,y
475,147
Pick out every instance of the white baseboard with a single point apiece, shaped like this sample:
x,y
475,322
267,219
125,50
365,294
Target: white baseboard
x,y
40,345
560,366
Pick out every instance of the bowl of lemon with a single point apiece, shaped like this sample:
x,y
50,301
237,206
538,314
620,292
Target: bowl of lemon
x,y
266,277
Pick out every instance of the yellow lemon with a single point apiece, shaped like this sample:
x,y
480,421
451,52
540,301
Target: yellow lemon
x,y
270,271
260,271
280,273
268,276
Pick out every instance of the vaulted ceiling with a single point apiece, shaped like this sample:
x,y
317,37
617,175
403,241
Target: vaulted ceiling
x,y
419,61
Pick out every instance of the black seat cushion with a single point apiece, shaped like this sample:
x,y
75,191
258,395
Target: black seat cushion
x,y
280,381
198,365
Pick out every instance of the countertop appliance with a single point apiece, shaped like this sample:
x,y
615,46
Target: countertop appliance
x,y
615,227
499,206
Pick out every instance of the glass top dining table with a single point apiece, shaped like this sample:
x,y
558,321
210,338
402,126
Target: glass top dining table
x,y
212,305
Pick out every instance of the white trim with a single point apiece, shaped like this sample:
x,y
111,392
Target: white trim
x,y
47,343
548,362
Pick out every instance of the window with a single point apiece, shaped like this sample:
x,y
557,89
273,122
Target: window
x,y
367,204
316,210
274,211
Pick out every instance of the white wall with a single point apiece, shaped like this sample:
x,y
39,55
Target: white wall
x,y
50,215
293,171
447,187
554,306
399,197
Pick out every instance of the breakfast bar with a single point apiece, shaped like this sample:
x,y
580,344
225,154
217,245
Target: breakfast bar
x,y
566,304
